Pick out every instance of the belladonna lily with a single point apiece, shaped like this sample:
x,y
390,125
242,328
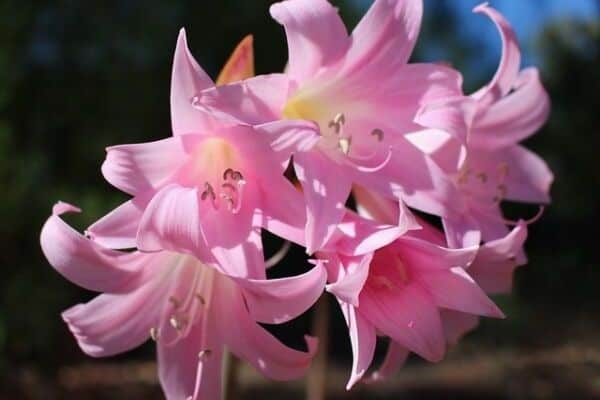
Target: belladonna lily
x,y
488,165
362,94
492,270
210,188
391,282
185,304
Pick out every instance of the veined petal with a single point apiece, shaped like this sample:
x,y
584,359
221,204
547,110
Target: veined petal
x,y
514,117
395,357
240,64
84,262
326,189
261,349
171,221
407,316
456,290
275,301
363,341
118,229
385,37
137,168
429,256
510,62
114,323
187,81
287,137
496,261
316,35
253,101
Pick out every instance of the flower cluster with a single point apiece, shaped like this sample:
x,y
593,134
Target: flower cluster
x,y
350,117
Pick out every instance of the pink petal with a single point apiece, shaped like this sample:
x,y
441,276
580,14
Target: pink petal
x,y
326,189
456,290
275,301
316,35
62,208
417,180
496,261
282,210
240,64
287,137
462,231
374,206
429,233
530,179
84,262
453,115
361,236
363,340
191,369
118,229
457,324
254,101
407,316
385,37
114,323
137,168
171,221
427,256
260,348
188,80
508,69
395,358
514,117
348,276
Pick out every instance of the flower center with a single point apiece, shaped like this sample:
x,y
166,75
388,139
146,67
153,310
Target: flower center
x,y
482,185
336,118
388,271
213,168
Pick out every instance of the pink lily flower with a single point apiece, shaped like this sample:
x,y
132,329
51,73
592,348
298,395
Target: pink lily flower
x,y
487,164
394,283
362,94
210,188
187,306
492,270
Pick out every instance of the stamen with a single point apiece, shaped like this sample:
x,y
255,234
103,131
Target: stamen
x,y
228,172
463,175
383,281
401,268
208,191
503,169
204,354
337,122
482,176
344,144
240,195
177,324
200,299
154,334
174,302
378,133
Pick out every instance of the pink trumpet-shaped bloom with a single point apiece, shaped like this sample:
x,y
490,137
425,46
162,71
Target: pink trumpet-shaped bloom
x,y
362,94
210,188
492,269
490,165
391,282
189,308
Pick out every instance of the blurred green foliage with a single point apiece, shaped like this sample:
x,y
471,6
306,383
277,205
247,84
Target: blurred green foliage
x,y
76,77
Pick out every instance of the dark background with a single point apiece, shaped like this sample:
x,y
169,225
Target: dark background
x,y
77,76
